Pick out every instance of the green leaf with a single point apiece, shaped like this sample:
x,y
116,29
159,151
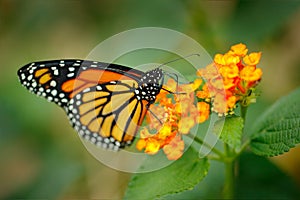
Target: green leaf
x,y
230,131
259,178
183,174
278,129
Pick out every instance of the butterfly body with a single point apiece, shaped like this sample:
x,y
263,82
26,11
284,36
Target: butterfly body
x,y
104,102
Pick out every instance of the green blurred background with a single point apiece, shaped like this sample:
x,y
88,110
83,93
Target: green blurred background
x,y
41,155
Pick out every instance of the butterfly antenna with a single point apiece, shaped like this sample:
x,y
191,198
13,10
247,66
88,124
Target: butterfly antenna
x,y
194,54
176,76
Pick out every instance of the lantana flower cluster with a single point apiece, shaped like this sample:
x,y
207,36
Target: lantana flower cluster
x,y
229,80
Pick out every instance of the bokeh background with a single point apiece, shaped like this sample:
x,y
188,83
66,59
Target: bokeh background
x,y
41,155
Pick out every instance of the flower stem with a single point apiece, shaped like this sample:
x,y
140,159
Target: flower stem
x,y
243,112
231,157
228,191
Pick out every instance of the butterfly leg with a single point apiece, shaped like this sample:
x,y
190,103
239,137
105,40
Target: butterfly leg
x,y
154,115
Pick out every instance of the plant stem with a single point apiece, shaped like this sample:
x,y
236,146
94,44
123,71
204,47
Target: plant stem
x,y
200,141
243,112
247,142
229,162
228,191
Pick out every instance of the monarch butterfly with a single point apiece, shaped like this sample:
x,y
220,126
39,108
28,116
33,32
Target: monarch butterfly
x,y
105,103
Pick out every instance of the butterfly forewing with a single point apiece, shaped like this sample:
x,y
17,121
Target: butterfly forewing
x,y
60,80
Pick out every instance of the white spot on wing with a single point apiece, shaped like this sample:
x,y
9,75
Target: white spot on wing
x,y
23,76
55,72
70,75
78,96
54,92
86,90
53,83
98,87
29,77
34,84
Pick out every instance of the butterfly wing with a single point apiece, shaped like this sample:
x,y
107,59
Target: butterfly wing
x,y
108,114
59,80
98,97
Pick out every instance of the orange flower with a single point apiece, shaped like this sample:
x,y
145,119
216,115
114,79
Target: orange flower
x,y
217,83
152,146
231,71
196,84
237,75
204,93
185,124
170,86
144,134
182,107
231,101
159,116
228,83
165,131
226,59
209,72
239,50
220,104
141,144
174,149
204,111
176,116
251,73
252,58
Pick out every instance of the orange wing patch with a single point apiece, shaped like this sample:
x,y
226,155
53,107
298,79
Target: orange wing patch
x,y
119,118
90,78
43,75
128,121
40,72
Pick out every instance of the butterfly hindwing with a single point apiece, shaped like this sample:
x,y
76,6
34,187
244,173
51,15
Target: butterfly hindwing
x,y
108,114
